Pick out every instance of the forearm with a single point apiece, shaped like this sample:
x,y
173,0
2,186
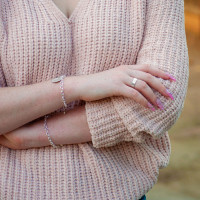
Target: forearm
x,y
71,128
20,105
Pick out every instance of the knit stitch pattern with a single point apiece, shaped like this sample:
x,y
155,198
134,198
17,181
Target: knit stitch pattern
x,y
130,143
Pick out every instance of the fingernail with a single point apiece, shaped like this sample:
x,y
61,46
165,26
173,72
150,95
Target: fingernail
x,y
151,106
170,76
160,105
169,94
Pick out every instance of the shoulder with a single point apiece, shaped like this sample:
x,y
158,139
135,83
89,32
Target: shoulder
x,y
164,6
165,3
157,4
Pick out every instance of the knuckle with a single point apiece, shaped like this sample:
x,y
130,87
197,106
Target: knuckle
x,y
143,85
117,79
142,101
149,77
154,99
127,92
145,66
120,73
135,93
163,89
150,69
146,104
160,72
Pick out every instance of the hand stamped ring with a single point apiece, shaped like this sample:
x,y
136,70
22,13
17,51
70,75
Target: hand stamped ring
x,y
134,81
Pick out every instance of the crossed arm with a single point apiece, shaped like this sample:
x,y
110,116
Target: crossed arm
x,y
24,128
71,128
116,119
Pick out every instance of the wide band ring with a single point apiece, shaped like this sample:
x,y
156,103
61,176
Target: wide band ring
x,y
134,82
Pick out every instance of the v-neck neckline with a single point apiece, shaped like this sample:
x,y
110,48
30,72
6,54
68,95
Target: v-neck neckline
x,y
61,14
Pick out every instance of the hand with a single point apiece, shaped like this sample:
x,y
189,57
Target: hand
x,y
117,82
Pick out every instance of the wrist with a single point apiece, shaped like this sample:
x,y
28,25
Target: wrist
x,y
71,89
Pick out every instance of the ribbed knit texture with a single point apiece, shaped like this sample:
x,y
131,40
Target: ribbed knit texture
x,y
129,142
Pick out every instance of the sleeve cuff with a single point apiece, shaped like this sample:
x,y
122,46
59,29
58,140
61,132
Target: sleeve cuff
x,y
106,127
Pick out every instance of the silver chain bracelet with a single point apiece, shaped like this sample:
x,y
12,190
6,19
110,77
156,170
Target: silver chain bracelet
x,y
60,79
47,133
56,80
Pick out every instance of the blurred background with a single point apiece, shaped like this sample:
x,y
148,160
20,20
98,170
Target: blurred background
x,y
181,179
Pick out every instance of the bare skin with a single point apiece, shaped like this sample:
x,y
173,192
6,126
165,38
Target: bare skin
x,y
66,6
21,105
71,128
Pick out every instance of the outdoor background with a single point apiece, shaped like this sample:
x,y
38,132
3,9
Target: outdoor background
x,y
181,179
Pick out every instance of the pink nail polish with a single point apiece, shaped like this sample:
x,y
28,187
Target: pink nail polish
x,y
169,94
170,76
151,106
159,104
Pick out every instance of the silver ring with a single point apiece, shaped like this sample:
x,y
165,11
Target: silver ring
x,y
134,81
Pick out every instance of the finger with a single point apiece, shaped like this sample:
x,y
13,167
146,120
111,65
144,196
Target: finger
x,y
155,71
152,81
136,96
143,88
7,143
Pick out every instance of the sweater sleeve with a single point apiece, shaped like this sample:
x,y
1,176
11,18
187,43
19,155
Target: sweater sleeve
x,y
2,77
116,119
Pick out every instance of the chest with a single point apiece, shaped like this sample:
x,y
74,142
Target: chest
x,y
66,6
101,34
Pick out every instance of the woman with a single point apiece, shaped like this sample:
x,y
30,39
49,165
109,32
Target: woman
x,y
126,67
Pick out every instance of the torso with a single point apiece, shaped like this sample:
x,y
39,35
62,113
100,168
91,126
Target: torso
x,y
38,43
66,6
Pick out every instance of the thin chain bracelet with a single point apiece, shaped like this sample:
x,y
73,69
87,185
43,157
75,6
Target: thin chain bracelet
x,y
47,133
60,79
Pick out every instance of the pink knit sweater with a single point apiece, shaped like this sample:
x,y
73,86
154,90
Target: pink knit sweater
x,y
129,142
